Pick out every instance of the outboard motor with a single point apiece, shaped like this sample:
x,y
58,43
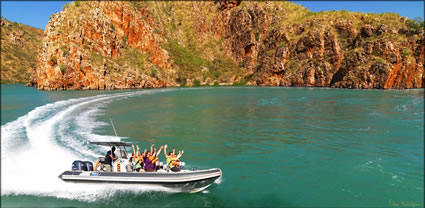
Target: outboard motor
x,y
79,165
89,165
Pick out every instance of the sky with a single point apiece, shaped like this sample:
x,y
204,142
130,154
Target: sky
x,y
37,13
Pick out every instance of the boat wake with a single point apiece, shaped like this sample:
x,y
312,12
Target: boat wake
x,y
40,145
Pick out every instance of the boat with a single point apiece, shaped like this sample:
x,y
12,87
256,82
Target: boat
x,y
191,181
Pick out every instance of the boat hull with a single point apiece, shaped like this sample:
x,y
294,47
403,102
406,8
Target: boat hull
x,y
183,181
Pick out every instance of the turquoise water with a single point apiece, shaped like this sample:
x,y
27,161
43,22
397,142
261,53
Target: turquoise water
x,y
295,147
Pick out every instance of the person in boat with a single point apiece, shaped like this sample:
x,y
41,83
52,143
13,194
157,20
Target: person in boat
x,y
173,160
134,154
133,160
109,158
130,165
156,159
150,158
139,160
147,159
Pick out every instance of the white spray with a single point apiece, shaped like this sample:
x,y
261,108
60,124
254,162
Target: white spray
x,y
39,146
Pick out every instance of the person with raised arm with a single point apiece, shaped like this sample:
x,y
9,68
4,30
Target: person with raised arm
x,y
139,160
149,166
155,158
134,154
173,160
130,166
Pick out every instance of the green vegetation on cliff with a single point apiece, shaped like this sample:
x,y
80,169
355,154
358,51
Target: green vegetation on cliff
x,y
19,48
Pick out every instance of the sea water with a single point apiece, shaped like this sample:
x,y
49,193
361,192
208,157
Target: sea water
x,y
295,147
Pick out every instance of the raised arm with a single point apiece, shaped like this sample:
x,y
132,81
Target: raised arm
x,y
159,151
180,154
134,152
165,150
138,151
152,148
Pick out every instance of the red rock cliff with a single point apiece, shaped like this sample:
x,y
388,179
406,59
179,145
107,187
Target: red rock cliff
x,y
117,45
102,45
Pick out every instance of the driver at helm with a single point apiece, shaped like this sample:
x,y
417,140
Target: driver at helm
x,y
110,156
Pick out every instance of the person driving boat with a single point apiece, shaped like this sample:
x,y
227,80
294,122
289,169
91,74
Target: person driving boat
x,y
109,158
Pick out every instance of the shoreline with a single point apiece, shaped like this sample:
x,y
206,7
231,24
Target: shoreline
x,y
219,86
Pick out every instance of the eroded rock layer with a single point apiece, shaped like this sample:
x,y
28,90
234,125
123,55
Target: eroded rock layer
x,y
118,45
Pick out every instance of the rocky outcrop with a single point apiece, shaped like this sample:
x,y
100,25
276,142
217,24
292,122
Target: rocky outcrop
x,y
117,45
19,46
108,45
320,52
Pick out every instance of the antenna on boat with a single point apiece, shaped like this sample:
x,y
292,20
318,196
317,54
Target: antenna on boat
x,y
113,127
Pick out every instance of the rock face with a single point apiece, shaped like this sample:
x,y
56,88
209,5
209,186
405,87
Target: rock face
x,y
19,46
102,45
117,45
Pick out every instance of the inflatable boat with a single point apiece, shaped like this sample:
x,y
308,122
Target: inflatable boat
x,y
191,181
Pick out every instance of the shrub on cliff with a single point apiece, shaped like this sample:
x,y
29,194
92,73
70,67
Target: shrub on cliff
x,y
64,50
196,83
53,60
256,34
415,25
242,64
157,31
406,52
270,52
182,83
380,61
241,82
153,72
137,4
62,67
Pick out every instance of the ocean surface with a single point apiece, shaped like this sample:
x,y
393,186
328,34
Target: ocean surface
x,y
277,147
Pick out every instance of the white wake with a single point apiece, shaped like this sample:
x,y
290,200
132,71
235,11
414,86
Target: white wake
x,y
40,145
